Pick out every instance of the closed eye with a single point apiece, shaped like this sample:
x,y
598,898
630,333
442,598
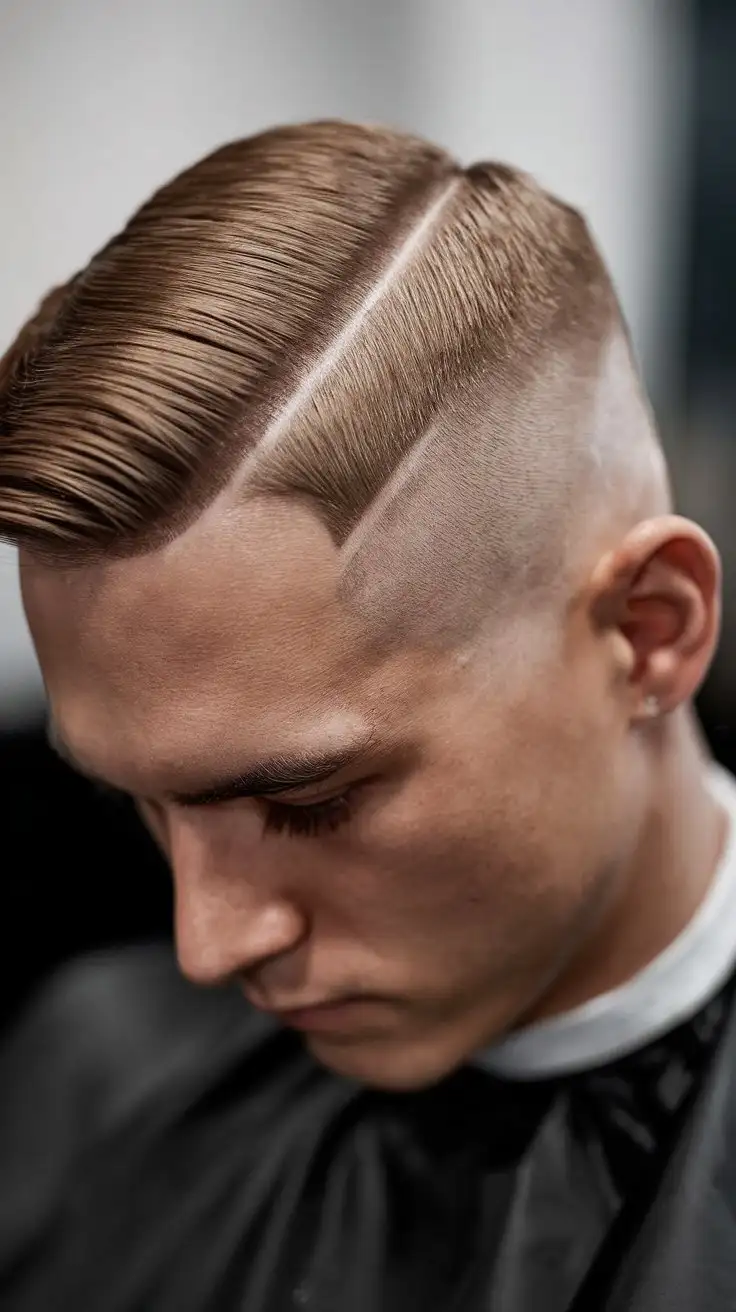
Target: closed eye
x,y
309,819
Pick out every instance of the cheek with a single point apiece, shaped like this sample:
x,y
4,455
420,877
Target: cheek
x,y
437,867
496,847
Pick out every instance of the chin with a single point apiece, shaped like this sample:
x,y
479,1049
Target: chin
x,y
391,1066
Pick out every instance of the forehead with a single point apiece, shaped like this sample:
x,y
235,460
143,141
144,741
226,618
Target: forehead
x,y
234,629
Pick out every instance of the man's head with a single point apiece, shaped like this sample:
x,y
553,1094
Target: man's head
x,y
346,549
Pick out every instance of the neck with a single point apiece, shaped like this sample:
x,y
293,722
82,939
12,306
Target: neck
x,y
663,883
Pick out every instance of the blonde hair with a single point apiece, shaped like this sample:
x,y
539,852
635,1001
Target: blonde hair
x,y
311,310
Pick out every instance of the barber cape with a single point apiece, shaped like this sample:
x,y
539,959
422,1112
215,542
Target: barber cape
x,y
166,1149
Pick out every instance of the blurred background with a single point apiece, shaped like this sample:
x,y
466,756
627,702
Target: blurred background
x,y
625,107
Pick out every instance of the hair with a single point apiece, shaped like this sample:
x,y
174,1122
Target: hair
x,y
339,314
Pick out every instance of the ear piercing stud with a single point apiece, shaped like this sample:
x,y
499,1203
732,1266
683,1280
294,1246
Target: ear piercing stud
x,y
652,706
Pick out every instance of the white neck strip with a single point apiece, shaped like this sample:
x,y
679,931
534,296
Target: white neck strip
x,y
669,991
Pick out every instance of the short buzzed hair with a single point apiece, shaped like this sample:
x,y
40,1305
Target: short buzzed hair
x,y
335,313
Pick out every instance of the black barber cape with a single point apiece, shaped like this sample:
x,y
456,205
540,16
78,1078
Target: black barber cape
x,y
166,1149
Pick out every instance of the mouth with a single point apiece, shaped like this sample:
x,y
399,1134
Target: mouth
x,y
339,1017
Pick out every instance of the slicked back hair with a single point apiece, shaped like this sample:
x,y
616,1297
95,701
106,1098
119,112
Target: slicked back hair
x,y
340,314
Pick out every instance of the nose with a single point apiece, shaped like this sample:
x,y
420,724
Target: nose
x,y
229,917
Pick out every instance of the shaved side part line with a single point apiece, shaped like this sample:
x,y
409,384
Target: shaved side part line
x,y
332,356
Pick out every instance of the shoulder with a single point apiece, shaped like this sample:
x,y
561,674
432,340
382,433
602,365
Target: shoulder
x,y
107,1041
115,1026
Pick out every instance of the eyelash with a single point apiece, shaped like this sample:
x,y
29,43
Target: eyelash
x,y
310,820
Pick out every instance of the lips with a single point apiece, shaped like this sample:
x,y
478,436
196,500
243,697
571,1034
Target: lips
x,y
330,1017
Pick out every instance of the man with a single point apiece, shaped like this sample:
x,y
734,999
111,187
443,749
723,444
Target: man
x,y
348,551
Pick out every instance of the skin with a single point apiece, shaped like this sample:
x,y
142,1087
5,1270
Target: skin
x,y
524,835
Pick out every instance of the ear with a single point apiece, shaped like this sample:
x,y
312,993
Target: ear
x,y
658,592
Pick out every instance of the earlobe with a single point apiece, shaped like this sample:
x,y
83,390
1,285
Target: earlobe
x,y
662,592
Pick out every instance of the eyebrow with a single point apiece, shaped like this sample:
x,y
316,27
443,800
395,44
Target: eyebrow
x,y
276,774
